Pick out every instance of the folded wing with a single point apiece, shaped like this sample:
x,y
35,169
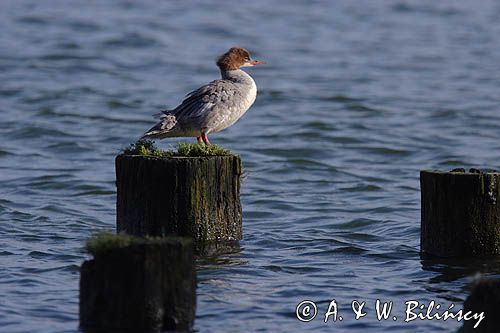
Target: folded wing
x,y
196,110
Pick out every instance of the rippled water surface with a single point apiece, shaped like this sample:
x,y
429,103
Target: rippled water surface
x,y
356,99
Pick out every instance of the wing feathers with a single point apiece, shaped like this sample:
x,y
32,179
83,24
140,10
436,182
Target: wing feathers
x,y
196,108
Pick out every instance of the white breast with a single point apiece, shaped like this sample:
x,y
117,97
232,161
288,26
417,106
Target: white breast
x,y
240,106
250,97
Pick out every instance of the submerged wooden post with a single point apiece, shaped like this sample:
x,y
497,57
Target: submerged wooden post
x,y
138,285
460,213
188,196
484,298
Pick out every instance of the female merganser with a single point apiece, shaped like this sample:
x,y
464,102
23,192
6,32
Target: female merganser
x,y
214,106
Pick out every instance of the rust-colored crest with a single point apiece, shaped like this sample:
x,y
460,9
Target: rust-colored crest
x,y
233,59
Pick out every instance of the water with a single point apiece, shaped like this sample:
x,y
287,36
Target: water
x,y
356,99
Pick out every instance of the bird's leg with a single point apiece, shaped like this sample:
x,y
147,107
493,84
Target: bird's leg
x,y
205,139
200,140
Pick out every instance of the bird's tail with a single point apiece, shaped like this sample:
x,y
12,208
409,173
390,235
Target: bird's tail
x,y
166,124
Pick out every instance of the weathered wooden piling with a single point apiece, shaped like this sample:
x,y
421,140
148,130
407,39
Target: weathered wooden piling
x,y
197,197
484,298
460,213
138,285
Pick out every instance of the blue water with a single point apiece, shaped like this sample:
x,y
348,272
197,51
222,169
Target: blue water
x,y
357,97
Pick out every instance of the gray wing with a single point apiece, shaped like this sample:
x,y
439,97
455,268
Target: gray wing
x,y
199,104
198,109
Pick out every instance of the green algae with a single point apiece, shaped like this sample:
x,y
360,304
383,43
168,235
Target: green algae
x,y
196,149
144,148
183,149
105,241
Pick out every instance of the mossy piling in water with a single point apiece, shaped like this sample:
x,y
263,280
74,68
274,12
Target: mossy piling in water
x,y
460,213
138,285
197,195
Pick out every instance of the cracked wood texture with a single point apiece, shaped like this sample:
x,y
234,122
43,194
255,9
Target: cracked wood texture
x,y
460,213
197,197
147,287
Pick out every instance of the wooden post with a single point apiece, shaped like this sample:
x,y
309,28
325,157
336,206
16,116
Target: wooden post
x,y
187,196
460,213
138,285
484,297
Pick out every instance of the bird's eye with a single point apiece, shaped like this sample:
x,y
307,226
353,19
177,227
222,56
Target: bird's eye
x,y
247,59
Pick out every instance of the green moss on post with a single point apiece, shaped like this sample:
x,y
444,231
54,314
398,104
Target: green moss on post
x,y
187,196
138,285
183,149
460,213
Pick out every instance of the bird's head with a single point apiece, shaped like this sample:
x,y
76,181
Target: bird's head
x,y
236,58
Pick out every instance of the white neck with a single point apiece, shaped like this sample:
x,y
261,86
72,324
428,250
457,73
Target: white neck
x,y
238,76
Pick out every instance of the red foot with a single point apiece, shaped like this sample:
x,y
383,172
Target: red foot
x,y
205,139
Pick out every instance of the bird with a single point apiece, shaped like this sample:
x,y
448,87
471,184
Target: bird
x,y
214,106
